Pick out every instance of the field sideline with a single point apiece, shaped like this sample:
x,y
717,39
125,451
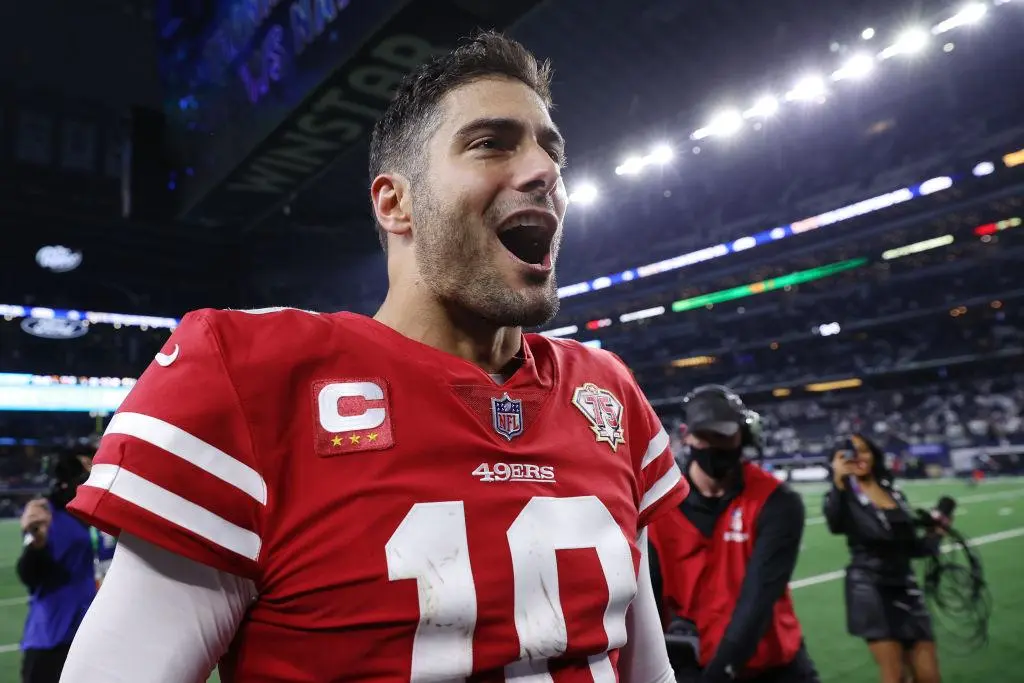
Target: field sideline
x,y
992,515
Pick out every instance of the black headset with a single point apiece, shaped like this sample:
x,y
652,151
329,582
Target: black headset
x,y
751,425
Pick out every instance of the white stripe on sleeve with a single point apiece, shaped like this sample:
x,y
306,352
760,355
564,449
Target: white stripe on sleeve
x,y
171,507
660,488
206,457
655,448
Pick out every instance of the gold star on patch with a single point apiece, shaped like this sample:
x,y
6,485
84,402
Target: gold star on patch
x,y
372,436
354,438
336,441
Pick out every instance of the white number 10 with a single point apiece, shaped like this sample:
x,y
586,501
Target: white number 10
x,y
431,546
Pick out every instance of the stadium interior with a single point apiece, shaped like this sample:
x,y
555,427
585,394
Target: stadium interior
x,y
817,204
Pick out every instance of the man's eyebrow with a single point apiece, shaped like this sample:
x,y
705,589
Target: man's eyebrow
x,y
548,134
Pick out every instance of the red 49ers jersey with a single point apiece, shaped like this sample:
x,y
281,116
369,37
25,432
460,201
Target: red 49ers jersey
x,y
404,516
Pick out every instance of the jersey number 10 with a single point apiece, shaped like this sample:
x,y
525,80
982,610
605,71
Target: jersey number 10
x,y
431,546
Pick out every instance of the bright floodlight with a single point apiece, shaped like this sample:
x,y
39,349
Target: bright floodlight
x,y
971,14
867,34
909,42
856,67
661,154
630,166
585,193
913,41
764,107
807,89
727,123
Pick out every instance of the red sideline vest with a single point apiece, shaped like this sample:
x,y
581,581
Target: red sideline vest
x,y
702,576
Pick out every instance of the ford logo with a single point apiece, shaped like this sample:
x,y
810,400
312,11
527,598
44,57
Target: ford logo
x,y
48,328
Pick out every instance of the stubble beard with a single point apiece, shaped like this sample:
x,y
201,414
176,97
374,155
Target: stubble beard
x,y
461,273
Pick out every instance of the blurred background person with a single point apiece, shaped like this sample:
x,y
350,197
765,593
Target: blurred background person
x,y
57,566
724,558
884,603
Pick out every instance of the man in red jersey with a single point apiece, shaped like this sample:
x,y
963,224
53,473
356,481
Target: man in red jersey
x,y
426,495
724,558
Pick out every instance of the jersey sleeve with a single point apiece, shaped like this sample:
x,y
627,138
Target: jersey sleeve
x,y
661,484
176,466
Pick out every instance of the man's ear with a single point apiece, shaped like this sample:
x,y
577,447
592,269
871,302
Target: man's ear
x,y
392,203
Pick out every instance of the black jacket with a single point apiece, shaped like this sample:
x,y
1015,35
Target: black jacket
x,y
882,542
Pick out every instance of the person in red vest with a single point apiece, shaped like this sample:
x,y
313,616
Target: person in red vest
x,y
724,558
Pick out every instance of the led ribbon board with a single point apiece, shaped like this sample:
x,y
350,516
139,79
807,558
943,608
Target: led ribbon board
x,y
22,392
796,278
839,215
11,312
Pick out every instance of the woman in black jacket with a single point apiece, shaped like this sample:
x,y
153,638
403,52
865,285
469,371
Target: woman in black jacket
x,y
884,603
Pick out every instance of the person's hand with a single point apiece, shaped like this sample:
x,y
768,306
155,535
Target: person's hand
x,y
36,520
841,469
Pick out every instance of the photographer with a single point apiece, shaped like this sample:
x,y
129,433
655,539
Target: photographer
x,y
884,603
724,559
57,567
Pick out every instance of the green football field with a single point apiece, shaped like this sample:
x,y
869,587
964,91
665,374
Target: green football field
x,y
991,514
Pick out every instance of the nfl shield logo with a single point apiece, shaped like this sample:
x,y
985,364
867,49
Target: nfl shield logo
x,y
507,416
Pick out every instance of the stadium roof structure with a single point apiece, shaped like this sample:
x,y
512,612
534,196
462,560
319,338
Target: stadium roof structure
x,y
648,79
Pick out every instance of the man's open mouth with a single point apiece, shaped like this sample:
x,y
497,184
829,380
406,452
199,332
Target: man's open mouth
x,y
530,243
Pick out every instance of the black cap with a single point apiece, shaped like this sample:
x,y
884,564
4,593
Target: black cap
x,y
713,412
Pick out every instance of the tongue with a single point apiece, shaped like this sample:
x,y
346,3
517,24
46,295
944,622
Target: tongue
x,y
525,244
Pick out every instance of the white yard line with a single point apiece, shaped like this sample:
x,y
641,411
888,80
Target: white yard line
x,y
980,540
964,500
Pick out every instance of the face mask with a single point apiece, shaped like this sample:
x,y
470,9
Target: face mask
x,y
717,463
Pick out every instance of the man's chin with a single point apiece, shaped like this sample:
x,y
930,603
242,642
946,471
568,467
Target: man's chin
x,y
527,307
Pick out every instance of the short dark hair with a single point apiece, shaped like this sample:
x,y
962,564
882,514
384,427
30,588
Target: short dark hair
x,y
398,136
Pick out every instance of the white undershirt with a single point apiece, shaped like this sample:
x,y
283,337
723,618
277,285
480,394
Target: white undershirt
x,y
162,618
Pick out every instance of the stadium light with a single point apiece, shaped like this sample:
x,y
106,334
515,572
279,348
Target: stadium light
x,y
971,14
763,108
726,124
661,154
807,89
631,166
856,67
584,194
815,89
910,42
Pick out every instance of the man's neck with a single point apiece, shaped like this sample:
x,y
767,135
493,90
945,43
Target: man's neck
x,y
428,321
706,486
